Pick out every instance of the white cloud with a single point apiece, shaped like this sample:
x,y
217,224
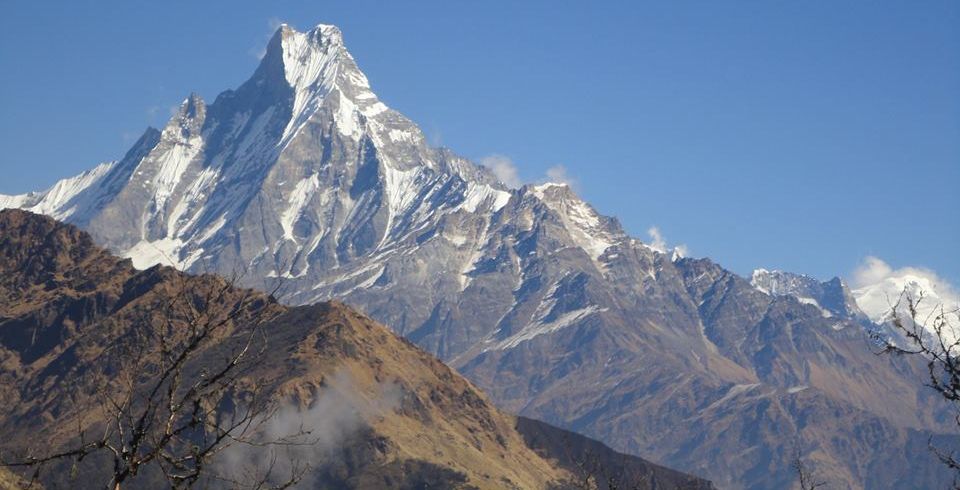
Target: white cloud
x,y
504,169
507,172
878,286
260,49
659,243
155,114
874,269
435,136
290,436
273,24
258,52
871,271
558,175
681,250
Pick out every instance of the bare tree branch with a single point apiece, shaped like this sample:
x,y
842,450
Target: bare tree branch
x,y
162,399
805,476
934,337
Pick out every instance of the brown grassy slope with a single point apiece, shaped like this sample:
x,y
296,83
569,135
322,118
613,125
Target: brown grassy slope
x,y
11,481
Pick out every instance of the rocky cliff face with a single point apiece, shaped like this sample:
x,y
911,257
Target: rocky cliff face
x,y
391,415
303,176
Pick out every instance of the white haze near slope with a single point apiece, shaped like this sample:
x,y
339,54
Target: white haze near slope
x,y
659,243
558,174
504,169
508,173
878,287
307,437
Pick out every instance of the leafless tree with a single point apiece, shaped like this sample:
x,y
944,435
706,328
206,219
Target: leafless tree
x,y
592,471
176,391
805,476
935,337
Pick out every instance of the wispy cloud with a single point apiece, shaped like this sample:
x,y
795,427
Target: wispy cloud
x,y
274,23
659,243
156,115
260,48
310,435
558,174
508,172
435,136
504,169
870,271
873,270
878,286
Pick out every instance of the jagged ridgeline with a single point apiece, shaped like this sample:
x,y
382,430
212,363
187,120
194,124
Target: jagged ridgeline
x,y
382,413
302,175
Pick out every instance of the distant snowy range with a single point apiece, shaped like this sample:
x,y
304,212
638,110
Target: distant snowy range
x,y
303,178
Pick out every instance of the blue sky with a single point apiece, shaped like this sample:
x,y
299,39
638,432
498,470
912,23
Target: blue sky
x,y
802,136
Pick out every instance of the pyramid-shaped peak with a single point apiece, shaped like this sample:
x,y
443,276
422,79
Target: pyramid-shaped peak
x,y
192,106
322,34
188,119
291,42
311,61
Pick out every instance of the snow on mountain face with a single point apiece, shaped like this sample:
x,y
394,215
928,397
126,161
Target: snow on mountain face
x,y
588,229
317,66
782,283
832,297
873,302
304,150
57,201
879,299
303,174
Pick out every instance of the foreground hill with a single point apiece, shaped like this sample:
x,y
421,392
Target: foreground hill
x,y
390,415
302,173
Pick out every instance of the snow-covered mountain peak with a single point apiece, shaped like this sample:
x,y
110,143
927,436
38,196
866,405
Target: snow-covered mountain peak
x,y
590,230
310,59
879,299
188,121
557,196
832,297
316,62
541,189
777,283
321,73
192,106
554,195
321,34
757,276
